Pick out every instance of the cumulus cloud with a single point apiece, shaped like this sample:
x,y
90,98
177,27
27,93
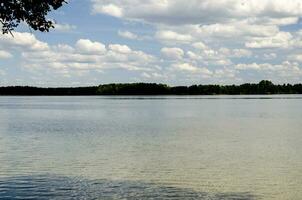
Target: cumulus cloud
x,y
219,34
88,55
235,53
213,34
123,49
286,68
280,40
241,28
128,35
64,27
82,56
225,19
187,67
171,36
295,57
200,12
220,40
269,56
200,45
215,57
5,54
172,53
154,76
108,9
24,41
87,46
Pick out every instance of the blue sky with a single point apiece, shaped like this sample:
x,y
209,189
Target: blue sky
x,y
169,41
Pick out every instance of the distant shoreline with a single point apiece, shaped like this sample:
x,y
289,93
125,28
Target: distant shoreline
x,y
126,89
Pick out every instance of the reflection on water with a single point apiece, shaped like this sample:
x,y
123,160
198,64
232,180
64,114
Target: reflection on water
x,y
218,147
59,187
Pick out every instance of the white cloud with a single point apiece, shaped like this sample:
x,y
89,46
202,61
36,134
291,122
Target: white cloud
x,y
199,12
235,53
172,53
154,76
64,47
269,56
222,49
171,36
5,54
193,56
200,45
253,66
218,34
87,46
24,41
280,73
225,73
284,69
132,36
296,57
123,49
233,29
254,23
275,21
86,55
280,40
128,35
108,9
64,27
221,57
187,67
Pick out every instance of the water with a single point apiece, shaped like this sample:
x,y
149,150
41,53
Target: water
x,y
191,147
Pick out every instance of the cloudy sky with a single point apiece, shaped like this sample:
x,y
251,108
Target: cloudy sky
x,y
178,42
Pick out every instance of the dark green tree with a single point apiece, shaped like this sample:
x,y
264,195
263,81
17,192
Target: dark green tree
x,y
32,12
266,87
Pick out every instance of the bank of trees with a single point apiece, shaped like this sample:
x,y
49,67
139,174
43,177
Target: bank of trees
x,y
35,91
264,87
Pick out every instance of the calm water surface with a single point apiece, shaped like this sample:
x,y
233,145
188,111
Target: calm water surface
x,y
218,147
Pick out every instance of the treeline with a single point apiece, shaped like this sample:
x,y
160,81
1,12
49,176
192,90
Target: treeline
x,y
264,87
35,91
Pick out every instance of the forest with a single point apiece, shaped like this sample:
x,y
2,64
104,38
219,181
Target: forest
x,y
263,87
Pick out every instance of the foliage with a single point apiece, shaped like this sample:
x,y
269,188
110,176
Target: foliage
x,y
133,89
264,87
25,90
32,12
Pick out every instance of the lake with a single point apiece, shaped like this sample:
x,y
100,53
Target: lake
x,y
158,147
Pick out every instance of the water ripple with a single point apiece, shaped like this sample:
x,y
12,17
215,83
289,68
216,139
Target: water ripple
x,y
60,187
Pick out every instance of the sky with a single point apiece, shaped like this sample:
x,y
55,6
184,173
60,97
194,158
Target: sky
x,y
175,42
